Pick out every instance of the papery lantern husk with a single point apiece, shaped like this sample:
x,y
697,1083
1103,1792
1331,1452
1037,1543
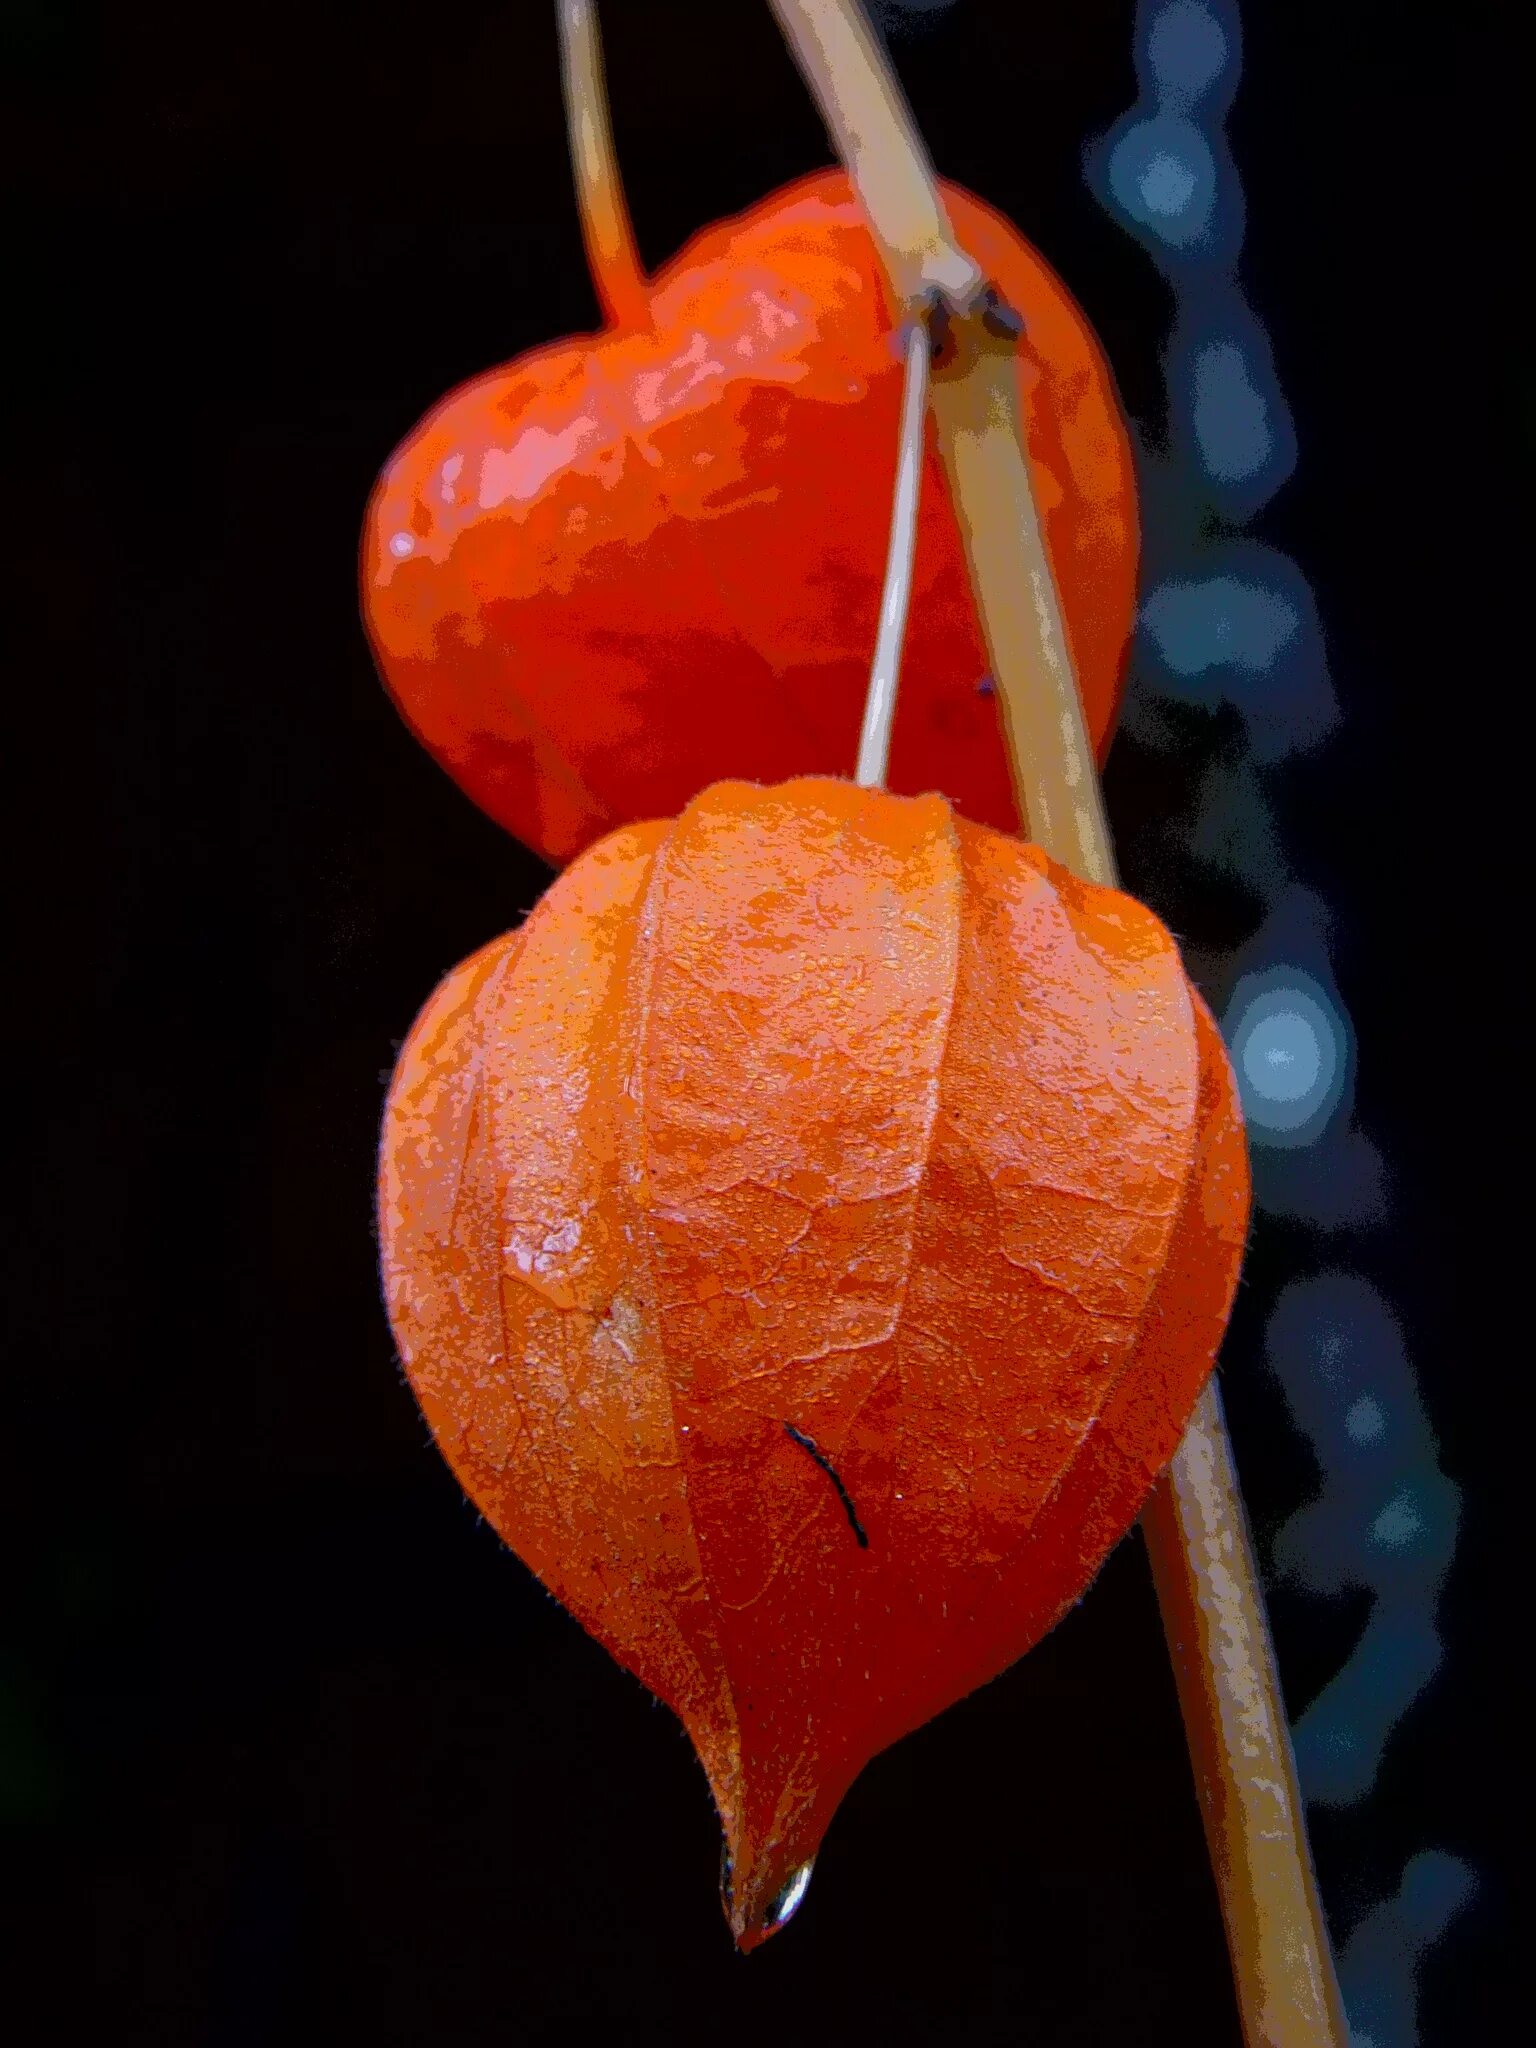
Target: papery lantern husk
x,y
807,1237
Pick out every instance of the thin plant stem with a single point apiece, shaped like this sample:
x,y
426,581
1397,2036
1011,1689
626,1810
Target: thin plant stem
x,y
866,114
1196,1531
612,256
976,414
896,596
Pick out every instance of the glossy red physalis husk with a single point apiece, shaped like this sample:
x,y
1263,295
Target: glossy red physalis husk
x,y
807,1237
620,568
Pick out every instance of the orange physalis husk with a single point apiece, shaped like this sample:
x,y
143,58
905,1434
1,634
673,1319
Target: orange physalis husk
x,y
807,1237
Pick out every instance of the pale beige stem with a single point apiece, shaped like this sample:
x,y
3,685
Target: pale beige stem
x,y
896,597
1234,1717
1202,1559
976,412
612,257
872,130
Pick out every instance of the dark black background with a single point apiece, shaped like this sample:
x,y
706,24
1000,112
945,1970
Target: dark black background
x,y
289,1744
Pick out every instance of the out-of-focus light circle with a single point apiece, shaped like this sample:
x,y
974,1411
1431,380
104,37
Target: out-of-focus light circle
x,y
1289,1048
1231,414
1163,176
1365,1421
1398,1523
1166,185
1208,622
1282,1056
1186,50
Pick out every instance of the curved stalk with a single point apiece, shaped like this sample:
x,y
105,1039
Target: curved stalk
x,y
612,256
896,596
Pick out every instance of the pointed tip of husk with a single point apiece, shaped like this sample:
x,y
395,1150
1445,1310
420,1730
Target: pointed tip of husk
x,y
767,1898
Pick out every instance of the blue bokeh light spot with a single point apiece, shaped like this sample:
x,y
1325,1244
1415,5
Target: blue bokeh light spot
x,y
1166,185
1282,1057
1231,416
1379,1962
1397,1524
1290,1049
1210,622
1365,1422
1227,414
1385,1518
1341,1737
1162,175
1435,1887
1186,52
1244,633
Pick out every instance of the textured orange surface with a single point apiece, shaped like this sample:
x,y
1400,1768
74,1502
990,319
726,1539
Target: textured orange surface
x,y
618,569
815,1110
